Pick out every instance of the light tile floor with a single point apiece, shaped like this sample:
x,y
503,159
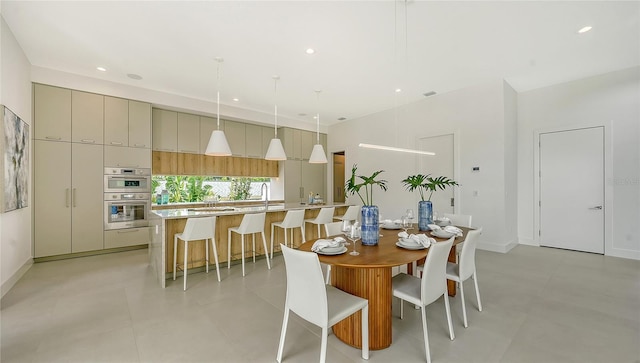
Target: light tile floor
x,y
540,305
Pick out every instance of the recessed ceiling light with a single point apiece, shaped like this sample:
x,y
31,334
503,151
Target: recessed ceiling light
x,y
585,29
134,76
310,51
236,99
101,69
398,90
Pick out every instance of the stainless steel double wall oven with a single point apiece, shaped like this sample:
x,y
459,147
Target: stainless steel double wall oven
x,y
127,198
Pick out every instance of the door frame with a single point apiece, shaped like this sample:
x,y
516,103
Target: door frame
x,y
608,175
457,207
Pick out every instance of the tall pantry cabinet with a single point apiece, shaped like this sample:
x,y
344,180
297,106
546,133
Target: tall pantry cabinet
x,y
68,171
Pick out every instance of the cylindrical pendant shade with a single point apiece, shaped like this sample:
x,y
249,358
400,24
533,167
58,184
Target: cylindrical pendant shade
x,y
317,155
218,145
275,150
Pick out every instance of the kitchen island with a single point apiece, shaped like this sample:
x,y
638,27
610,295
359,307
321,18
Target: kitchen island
x,y
166,223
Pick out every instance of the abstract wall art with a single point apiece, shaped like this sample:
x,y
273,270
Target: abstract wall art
x,y
14,143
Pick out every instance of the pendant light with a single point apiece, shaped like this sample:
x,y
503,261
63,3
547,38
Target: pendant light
x,y
218,145
275,150
317,154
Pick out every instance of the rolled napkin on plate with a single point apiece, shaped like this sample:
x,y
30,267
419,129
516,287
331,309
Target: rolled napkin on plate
x,y
454,230
417,239
324,243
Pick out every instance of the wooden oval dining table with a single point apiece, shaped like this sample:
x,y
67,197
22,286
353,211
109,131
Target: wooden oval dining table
x,y
368,275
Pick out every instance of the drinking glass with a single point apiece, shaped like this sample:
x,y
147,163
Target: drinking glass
x,y
354,236
410,217
406,223
346,229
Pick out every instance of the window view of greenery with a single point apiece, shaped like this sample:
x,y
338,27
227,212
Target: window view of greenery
x,y
185,189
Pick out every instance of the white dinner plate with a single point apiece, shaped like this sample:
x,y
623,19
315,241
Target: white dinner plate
x,y
412,247
342,250
441,233
391,226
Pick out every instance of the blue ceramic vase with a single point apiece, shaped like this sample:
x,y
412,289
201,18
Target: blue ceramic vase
x,y
370,229
425,214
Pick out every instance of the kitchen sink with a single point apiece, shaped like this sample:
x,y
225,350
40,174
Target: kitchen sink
x,y
212,209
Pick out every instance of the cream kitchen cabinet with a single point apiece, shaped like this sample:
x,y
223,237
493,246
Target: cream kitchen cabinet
x,y
52,110
207,126
87,117
235,133
188,133
127,157
68,198
302,178
139,124
127,123
126,237
253,141
267,134
165,130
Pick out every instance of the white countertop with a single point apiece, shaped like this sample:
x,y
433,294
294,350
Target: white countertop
x,y
220,211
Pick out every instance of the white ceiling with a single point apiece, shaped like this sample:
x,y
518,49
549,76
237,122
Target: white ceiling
x,y
360,47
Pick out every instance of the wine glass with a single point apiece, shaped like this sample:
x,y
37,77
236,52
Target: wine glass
x,y
354,236
410,217
406,223
346,229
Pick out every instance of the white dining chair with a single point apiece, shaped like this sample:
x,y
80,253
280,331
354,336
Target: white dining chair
x,y
324,216
460,220
423,291
466,268
322,305
292,220
196,229
251,224
350,215
331,229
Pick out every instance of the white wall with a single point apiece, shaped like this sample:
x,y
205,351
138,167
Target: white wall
x,y
15,93
476,116
611,100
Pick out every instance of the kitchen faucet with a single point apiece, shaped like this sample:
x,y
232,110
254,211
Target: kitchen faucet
x,y
264,191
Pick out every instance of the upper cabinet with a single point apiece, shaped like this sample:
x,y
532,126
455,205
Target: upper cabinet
x,y
165,130
307,140
52,110
116,121
207,126
87,117
235,133
268,133
139,124
253,141
188,133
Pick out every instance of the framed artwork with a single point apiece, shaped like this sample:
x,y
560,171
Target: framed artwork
x,y
14,143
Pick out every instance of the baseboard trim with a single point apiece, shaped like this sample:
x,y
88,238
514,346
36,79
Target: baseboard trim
x,y
11,281
90,253
497,247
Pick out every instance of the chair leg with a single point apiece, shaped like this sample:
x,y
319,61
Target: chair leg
x,y
264,243
475,281
215,256
242,250
464,309
229,250
401,309
319,235
303,233
283,333
426,334
328,280
447,308
272,227
365,332
253,236
206,254
186,253
286,238
175,256
323,345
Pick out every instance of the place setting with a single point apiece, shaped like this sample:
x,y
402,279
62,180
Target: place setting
x,y
447,231
334,246
414,241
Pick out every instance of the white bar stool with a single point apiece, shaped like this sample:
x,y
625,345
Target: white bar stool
x,y
293,219
251,224
196,229
324,216
350,215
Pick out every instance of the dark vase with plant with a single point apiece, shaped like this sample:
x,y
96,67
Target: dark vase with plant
x,y
369,213
424,183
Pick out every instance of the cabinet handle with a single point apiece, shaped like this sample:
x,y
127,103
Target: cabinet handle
x,y
88,141
116,143
66,197
128,166
73,197
53,138
127,231
139,145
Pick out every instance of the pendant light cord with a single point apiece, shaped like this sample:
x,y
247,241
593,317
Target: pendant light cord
x,y
219,60
318,118
275,105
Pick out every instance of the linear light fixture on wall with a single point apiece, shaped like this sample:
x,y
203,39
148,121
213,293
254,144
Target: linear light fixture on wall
x,y
391,148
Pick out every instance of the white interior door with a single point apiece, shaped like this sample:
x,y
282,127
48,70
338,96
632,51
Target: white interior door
x,y
439,165
572,189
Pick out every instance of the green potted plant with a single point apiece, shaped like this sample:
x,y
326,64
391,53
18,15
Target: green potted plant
x,y
369,212
426,183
